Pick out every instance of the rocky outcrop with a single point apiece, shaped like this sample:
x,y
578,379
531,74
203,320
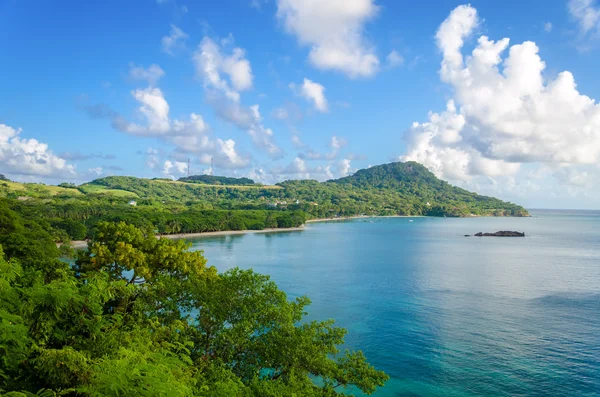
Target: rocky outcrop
x,y
502,233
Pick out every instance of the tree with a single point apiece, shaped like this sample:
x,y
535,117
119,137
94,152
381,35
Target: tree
x,y
137,315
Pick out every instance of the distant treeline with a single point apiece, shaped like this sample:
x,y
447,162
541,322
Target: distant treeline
x,y
78,220
216,180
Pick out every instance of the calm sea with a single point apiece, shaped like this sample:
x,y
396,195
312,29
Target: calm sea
x,y
444,314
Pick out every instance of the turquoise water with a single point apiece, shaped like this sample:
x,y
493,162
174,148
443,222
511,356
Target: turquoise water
x,y
443,314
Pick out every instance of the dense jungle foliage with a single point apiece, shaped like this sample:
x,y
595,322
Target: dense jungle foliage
x,y
139,316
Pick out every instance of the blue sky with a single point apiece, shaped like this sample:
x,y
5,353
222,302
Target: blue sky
x,y
282,89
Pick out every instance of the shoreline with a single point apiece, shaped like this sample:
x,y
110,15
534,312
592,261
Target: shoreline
x,y
76,244
180,236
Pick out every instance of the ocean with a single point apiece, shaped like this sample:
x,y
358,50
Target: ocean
x,y
441,313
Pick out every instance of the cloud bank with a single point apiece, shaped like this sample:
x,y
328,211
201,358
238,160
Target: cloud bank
x,y
504,115
334,31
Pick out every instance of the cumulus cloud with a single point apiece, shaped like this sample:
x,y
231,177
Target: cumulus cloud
x,y
312,92
228,73
191,136
334,31
245,118
172,167
394,59
587,15
225,76
174,40
299,169
29,157
151,74
504,113
262,137
344,167
154,109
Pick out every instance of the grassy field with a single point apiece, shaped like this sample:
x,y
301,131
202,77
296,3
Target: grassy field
x,y
38,189
97,189
41,190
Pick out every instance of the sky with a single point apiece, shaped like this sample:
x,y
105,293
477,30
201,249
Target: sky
x,y
497,97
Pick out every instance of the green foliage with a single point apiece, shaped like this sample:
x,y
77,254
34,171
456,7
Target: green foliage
x,y
216,180
207,203
141,316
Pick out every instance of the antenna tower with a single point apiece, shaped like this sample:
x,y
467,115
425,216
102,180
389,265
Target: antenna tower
x,y
189,167
212,165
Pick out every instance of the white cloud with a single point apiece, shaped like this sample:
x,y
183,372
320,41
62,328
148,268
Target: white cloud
x,y
152,74
96,171
179,167
247,119
29,157
211,64
313,92
344,167
586,13
548,27
152,158
298,169
334,31
225,76
190,136
261,136
337,143
504,114
174,40
394,59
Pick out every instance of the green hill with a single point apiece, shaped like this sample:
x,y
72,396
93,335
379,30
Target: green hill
x,y
390,189
216,180
413,183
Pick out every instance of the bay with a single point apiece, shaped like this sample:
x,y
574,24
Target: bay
x,y
441,313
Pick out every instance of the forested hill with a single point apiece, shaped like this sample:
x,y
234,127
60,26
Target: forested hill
x,y
390,189
414,183
216,180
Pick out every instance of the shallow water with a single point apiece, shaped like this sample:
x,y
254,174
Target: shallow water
x,y
445,314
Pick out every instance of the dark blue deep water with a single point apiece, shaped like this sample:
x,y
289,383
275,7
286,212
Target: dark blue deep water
x,y
443,314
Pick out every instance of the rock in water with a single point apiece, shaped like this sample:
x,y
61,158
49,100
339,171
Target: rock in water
x,y
502,233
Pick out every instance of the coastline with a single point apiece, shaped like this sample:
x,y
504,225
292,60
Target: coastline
x,y
179,236
77,244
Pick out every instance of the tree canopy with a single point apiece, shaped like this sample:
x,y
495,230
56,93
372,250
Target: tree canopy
x,y
137,315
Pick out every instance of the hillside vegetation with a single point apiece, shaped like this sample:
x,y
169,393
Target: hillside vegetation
x,y
217,180
390,189
192,207
139,316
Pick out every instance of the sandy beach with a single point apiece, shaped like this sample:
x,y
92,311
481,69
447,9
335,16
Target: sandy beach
x,y
83,243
